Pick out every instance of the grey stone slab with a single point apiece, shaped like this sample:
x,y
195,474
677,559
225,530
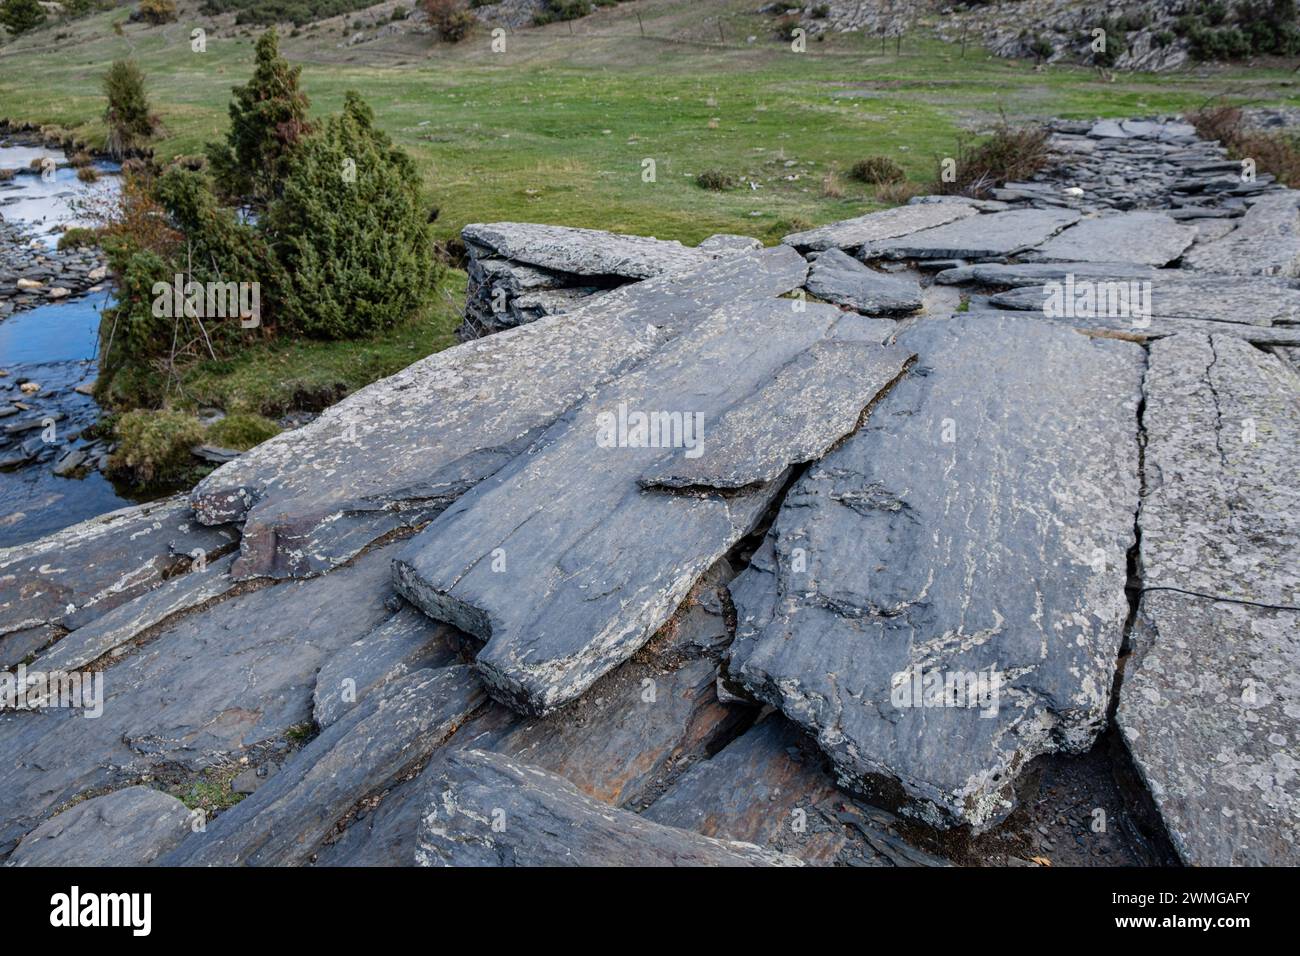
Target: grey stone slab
x,y
875,226
586,252
1209,708
17,646
1254,301
1159,327
1147,238
408,641
208,687
365,750
1266,242
810,403
838,277
728,243
977,524
129,827
1221,515
397,452
126,622
72,576
979,237
543,820
551,562
1036,273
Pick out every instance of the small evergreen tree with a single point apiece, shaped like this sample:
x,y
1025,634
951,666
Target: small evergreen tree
x,y
350,232
130,124
19,16
268,118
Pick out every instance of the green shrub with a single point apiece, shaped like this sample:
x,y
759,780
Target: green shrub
x,y
158,12
77,237
1042,48
714,179
130,124
241,431
268,118
555,10
350,230
153,446
877,170
19,16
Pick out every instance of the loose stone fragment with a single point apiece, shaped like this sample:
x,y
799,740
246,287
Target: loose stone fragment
x,y
397,452
838,277
897,561
587,252
130,827
545,821
1208,708
978,237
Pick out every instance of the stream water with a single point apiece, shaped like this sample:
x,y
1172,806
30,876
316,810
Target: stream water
x,y
52,345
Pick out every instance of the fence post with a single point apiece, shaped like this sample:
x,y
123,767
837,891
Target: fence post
x,y
640,24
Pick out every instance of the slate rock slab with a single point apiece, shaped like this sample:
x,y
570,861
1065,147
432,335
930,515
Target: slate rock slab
x,y
543,820
838,277
1208,709
362,752
75,575
129,827
1037,273
978,237
1254,301
1266,243
1159,327
1221,515
587,252
1000,551
563,563
875,226
397,452
1147,238
811,402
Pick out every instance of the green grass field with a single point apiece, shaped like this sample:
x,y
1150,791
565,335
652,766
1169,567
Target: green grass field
x,y
556,128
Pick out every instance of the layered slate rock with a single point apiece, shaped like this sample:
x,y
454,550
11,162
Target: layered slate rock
x,y
1177,294
818,397
229,681
837,277
563,563
75,575
488,810
1143,329
1147,238
1208,709
408,641
399,451
129,827
1221,516
1036,273
850,234
975,529
1266,243
114,630
978,237
584,252
392,731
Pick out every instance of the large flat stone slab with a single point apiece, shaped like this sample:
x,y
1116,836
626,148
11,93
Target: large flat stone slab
x,y
837,277
488,810
563,563
1254,301
1037,273
397,452
1209,708
1266,243
364,751
1159,327
587,252
129,827
977,237
1221,515
875,226
977,524
811,402
1146,238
